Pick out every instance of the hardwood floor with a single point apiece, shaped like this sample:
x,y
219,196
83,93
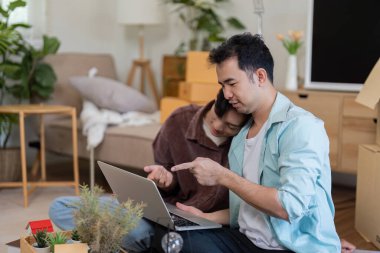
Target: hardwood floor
x,y
344,201
343,197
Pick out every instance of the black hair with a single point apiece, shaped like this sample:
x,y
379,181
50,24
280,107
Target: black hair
x,y
251,53
221,104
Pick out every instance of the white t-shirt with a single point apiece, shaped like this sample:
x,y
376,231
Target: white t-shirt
x,y
217,140
252,221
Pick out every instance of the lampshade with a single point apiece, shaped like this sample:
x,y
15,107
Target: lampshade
x,y
139,12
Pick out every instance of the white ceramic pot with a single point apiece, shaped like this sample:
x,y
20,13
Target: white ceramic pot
x,y
41,250
291,74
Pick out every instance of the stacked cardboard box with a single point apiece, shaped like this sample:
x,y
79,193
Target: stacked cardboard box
x,y
367,218
200,86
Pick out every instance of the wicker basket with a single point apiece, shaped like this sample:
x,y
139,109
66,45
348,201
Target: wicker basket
x,y
10,164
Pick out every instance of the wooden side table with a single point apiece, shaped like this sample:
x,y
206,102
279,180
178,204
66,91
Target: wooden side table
x,y
41,110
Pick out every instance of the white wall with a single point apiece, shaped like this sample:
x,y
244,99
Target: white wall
x,y
91,26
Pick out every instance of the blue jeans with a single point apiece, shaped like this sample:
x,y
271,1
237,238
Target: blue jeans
x,y
222,240
137,240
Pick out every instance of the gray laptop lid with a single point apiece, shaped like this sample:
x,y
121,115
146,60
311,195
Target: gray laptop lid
x,y
130,186
127,185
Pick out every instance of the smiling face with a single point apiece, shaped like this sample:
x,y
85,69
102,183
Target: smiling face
x,y
242,92
226,126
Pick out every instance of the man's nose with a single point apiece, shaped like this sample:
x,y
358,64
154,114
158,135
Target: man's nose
x,y
227,92
218,125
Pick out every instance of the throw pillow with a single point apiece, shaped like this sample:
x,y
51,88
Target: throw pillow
x,y
112,95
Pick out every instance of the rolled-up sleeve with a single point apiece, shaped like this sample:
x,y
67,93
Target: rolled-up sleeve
x,y
304,145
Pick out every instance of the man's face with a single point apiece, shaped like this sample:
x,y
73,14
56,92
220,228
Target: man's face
x,y
227,126
238,88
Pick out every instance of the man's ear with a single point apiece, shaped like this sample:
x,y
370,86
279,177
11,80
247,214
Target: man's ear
x,y
261,76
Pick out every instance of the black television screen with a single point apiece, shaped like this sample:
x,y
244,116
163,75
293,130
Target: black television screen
x,y
343,43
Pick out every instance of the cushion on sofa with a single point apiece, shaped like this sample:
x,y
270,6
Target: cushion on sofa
x,y
110,94
67,65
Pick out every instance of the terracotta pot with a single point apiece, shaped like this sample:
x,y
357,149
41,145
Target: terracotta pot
x,y
10,164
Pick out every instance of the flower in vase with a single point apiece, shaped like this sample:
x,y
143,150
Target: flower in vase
x,y
292,42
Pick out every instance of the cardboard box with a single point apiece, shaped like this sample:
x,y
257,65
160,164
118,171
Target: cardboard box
x,y
367,213
370,94
26,246
198,92
198,69
168,105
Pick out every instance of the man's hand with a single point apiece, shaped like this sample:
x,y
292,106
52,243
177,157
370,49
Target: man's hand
x,y
162,177
347,247
205,170
190,209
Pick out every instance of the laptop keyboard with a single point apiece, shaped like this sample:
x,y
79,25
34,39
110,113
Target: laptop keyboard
x,y
182,222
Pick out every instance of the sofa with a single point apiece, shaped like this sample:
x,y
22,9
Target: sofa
x,y
129,146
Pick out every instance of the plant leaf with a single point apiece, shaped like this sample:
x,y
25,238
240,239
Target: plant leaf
x,y
51,45
15,4
235,23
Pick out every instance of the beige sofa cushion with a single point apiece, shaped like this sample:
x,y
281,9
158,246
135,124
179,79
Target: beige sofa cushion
x,y
110,94
67,65
127,145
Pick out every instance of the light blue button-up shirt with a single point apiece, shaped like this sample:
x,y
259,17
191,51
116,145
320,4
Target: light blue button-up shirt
x,y
294,159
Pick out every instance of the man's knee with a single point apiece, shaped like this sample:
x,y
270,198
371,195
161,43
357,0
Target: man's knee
x,y
140,238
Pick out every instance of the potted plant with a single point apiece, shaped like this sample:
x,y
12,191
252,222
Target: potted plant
x,y
41,245
204,22
75,238
102,227
24,77
56,238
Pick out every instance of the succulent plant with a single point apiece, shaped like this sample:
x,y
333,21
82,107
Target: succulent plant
x,y
57,238
75,236
41,238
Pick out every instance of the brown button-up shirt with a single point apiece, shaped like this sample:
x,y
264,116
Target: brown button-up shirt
x,y
181,139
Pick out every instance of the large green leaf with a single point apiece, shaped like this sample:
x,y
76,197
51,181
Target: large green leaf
x,y
44,75
51,45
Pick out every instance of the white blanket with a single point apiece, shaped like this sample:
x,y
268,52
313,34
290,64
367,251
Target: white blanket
x,y
96,120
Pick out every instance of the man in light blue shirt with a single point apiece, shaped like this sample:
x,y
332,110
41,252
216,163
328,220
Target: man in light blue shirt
x,y
280,177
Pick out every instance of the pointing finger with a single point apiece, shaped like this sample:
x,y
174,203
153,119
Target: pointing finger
x,y
183,166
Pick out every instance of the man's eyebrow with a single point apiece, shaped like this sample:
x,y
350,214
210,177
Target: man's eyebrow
x,y
227,81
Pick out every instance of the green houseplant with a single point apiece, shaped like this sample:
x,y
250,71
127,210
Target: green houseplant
x,y
103,226
203,21
57,238
75,235
24,78
41,244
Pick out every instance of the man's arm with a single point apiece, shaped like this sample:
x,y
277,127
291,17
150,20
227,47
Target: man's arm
x,y
210,173
221,216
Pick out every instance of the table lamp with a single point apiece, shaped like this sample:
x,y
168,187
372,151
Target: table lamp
x,y
140,13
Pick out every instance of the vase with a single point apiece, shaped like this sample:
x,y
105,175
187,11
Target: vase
x,y
291,73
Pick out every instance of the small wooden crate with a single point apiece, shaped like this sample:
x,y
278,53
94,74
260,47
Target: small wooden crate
x,y
26,245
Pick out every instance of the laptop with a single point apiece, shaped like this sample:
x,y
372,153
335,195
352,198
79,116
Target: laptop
x,y
127,185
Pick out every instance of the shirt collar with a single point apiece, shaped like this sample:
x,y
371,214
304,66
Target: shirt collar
x,y
195,129
279,109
